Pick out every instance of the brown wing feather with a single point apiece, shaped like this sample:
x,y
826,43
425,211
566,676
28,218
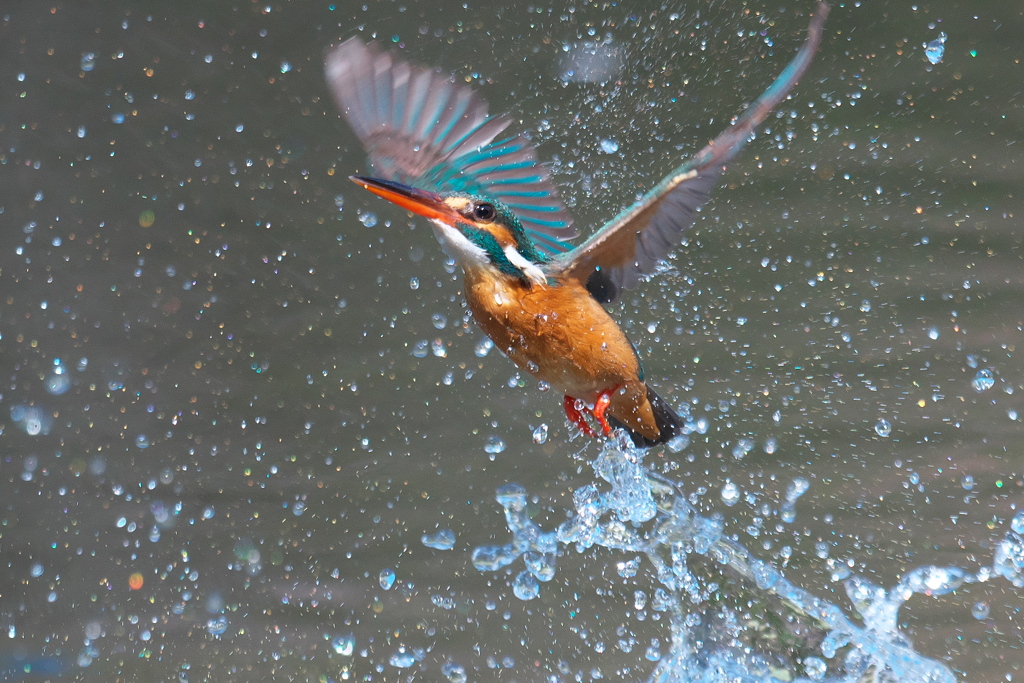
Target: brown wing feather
x,y
629,246
421,128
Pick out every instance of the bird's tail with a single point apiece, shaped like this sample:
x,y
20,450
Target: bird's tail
x,y
670,425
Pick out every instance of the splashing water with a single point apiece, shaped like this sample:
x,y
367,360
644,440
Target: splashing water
x,y
753,638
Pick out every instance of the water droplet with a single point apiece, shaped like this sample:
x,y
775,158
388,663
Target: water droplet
x,y
628,568
983,381
387,578
439,320
483,347
88,62
787,513
865,306
525,586
58,384
494,445
285,67
87,655
797,488
117,117
677,444
81,132
730,493
609,146
32,419
142,441
980,610
453,672
935,49
742,447
368,218
97,466
444,539
933,333
217,626
540,434
402,660
344,645
883,428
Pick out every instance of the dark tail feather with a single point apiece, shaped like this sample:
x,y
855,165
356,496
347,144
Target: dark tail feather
x,y
669,423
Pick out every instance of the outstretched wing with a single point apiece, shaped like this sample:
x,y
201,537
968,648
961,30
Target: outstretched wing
x,y
422,129
631,244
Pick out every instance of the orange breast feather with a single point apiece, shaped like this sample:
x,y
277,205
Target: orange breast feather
x,y
562,336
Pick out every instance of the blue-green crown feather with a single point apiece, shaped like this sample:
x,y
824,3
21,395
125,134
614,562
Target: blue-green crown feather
x,y
422,129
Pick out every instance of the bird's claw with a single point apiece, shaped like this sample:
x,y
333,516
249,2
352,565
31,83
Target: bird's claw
x,y
604,399
575,415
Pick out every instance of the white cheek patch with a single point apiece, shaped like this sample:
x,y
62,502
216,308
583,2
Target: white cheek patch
x,y
458,245
534,274
461,248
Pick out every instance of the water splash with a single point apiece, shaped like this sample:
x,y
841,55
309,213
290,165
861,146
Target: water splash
x,y
771,630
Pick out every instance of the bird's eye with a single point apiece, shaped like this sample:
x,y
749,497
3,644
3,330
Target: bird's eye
x,y
484,211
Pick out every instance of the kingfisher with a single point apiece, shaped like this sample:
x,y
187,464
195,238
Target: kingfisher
x,y
438,153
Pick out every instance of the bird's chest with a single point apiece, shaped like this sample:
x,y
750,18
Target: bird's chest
x,y
559,334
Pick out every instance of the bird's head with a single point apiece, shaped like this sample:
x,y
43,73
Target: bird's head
x,y
478,231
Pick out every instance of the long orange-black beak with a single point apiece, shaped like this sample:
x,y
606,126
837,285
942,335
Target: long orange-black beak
x,y
421,202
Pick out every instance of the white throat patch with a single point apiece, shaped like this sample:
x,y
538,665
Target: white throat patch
x,y
462,249
458,246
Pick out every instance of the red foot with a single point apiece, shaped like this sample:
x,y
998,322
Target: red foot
x,y
569,404
604,399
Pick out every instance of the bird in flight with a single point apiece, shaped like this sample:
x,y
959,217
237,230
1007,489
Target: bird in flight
x,y
437,152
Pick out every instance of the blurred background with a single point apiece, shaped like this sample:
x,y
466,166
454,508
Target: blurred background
x,y
239,390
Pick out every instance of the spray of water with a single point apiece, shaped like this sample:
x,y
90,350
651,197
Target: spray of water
x,y
770,629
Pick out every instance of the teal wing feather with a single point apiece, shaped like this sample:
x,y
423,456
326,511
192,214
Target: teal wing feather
x,y
631,245
422,129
